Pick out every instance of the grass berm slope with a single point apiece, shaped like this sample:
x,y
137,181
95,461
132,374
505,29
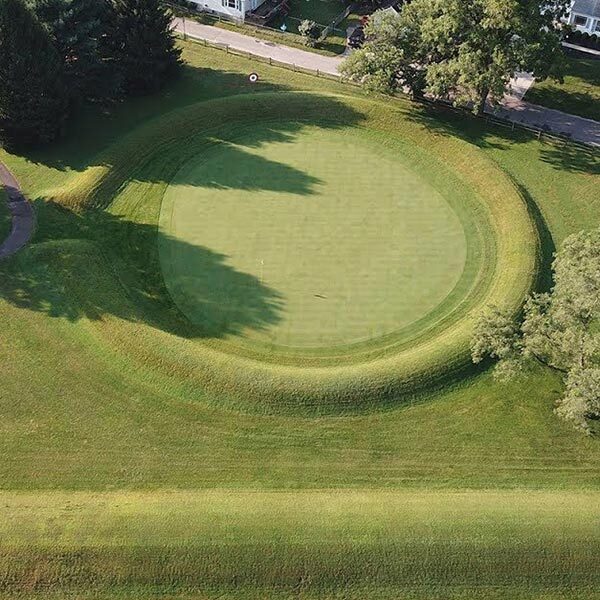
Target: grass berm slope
x,y
128,186
414,544
84,414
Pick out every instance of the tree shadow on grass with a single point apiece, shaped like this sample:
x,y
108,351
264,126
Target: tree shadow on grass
x,y
547,246
584,104
563,156
98,126
229,166
91,263
79,278
571,157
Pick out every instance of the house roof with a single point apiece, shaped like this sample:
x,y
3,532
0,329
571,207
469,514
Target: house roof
x,y
590,8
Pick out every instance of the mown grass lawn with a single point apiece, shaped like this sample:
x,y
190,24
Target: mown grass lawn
x,y
579,94
383,544
122,480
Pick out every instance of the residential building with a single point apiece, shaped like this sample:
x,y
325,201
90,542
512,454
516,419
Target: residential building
x,y
585,16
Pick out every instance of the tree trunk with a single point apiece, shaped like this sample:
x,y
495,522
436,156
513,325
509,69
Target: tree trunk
x,y
483,96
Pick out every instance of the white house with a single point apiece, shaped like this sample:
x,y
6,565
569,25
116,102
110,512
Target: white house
x,y
585,16
234,9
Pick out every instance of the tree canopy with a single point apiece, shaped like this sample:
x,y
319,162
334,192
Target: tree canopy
x,y
33,96
142,45
466,52
55,54
77,29
560,330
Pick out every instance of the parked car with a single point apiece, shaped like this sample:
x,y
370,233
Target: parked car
x,y
356,38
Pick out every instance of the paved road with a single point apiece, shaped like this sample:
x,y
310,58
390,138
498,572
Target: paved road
x,y
246,43
577,128
512,108
23,218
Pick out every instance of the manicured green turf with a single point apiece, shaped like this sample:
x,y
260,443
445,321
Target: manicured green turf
x,y
131,179
99,393
301,540
326,239
579,94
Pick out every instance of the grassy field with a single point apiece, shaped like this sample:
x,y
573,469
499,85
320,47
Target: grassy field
x,y
272,212
356,541
123,478
322,12
579,94
127,188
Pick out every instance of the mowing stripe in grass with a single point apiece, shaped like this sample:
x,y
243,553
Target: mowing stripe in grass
x,y
325,539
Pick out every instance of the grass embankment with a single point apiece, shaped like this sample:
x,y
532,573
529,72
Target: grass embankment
x,y
578,95
423,544
425,354
77,414
277,209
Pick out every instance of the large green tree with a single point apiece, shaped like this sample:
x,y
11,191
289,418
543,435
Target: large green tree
x,y
466,52
142,45
33,96
560,330
77,29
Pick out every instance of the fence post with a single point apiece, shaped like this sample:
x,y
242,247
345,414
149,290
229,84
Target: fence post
x,y
227,48
317,72
270,60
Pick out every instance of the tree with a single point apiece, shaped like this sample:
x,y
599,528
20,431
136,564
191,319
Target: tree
x,y
309,31
463,51
141,44
77,29
385,63
560,330
33,97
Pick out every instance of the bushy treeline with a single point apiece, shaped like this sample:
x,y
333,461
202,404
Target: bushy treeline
x,y
559,329
463,51
56,55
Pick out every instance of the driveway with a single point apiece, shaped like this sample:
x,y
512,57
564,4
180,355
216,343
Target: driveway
x,y
23,219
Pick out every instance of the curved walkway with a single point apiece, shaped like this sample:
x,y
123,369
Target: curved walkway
x,y
23,218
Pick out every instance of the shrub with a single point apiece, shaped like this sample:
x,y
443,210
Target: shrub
x,y
309,31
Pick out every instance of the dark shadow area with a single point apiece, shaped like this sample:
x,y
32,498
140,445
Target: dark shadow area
x,y
75,278
489,135
97,126
92,263
465,126
547,246
571,157
217,298
583,104
579,93
230,167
